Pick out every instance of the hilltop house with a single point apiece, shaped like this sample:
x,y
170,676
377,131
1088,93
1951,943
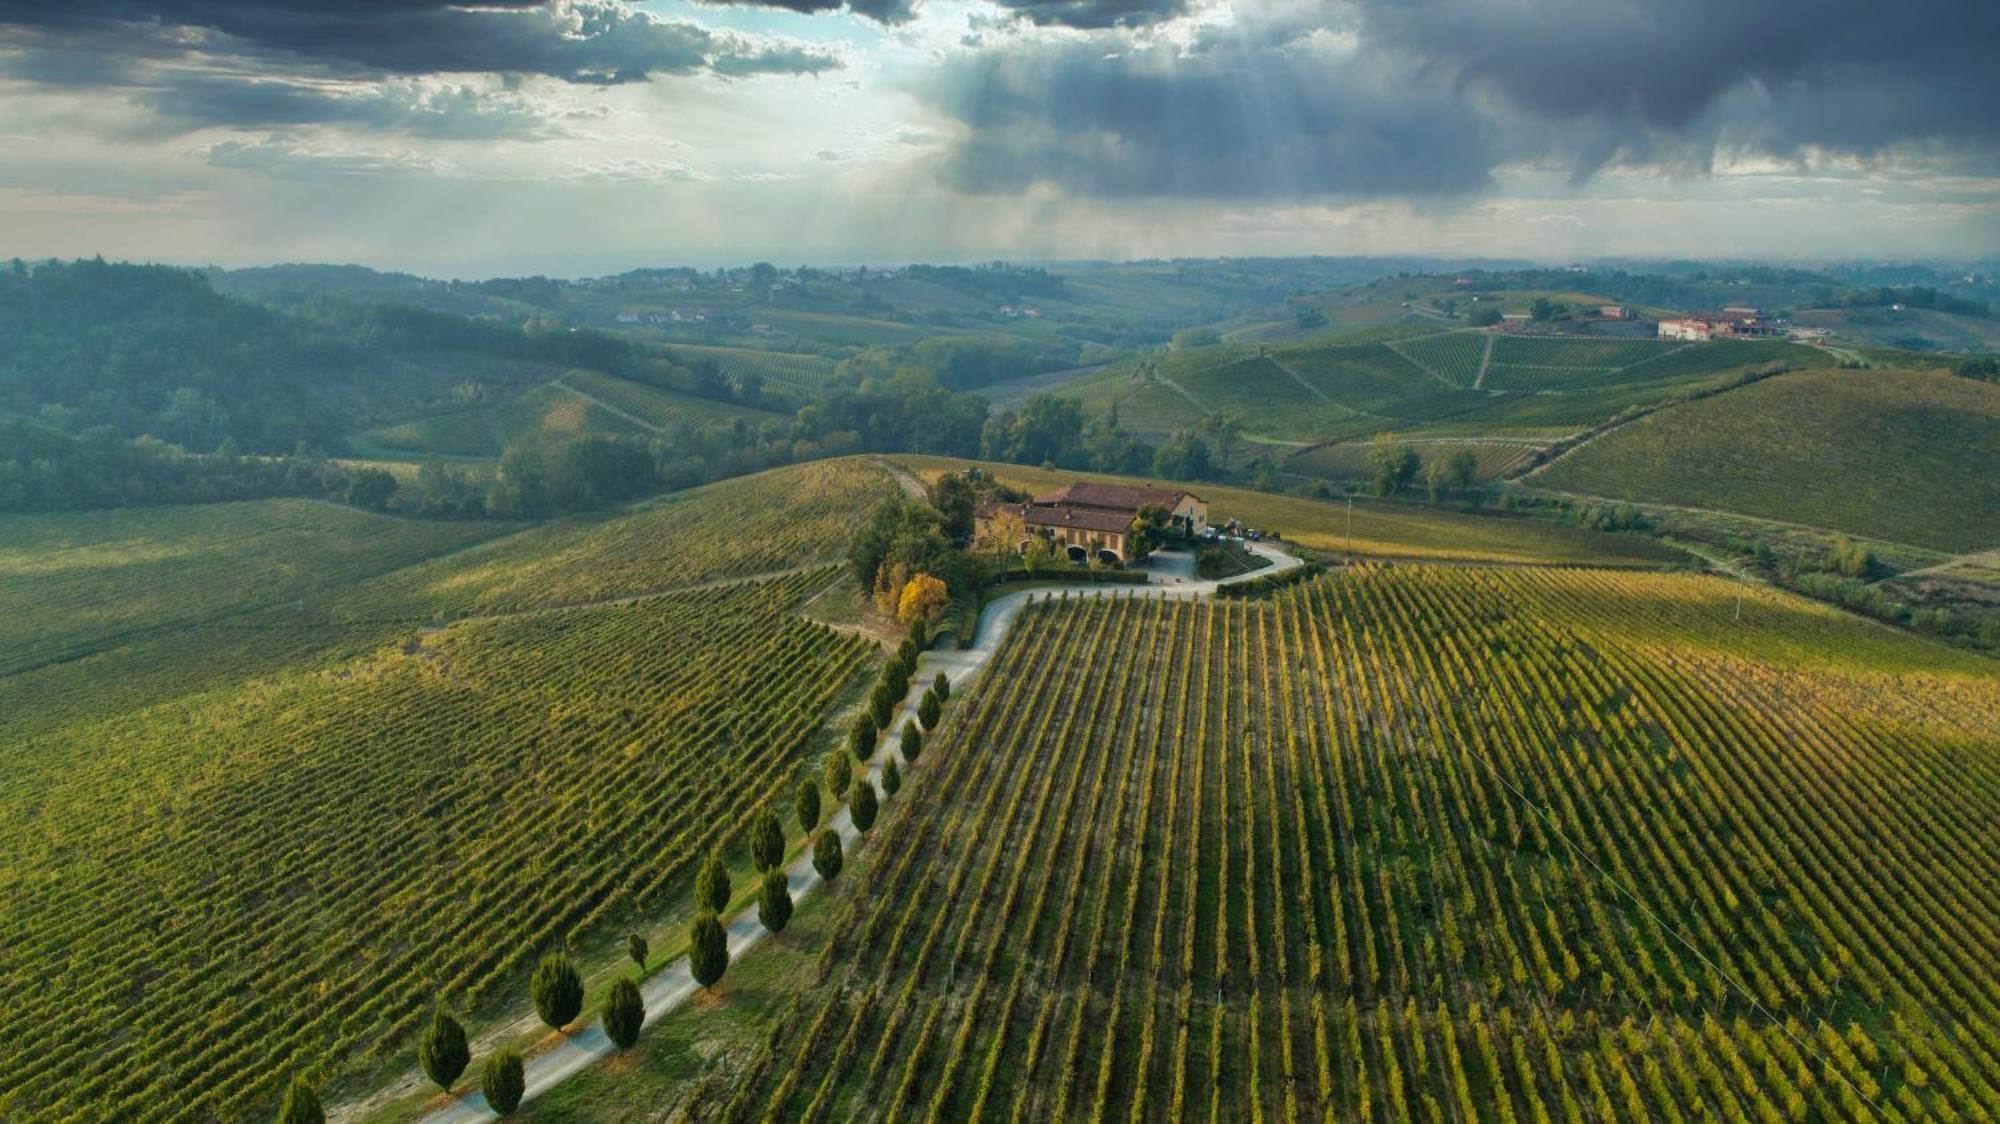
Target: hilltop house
x,y
1094,520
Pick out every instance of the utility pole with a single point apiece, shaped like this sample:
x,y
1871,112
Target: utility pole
x,y
1350,523
1741,578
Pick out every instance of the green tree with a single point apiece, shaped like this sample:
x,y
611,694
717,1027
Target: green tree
x,y
1393,464
861,806
301,1104
1434,480
370,489
806,804
557,990
635,947
912,741
441,1050
1544,309
941,687
861,740
892,777
1463,470
708,948
839,769
624,1013
827,857
928,711
767,840
880,707
774,901
711,884
502,1082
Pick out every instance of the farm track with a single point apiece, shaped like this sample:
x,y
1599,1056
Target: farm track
x,y
672,986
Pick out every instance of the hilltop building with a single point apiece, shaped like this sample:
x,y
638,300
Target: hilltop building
x,y
1094,520
1734,323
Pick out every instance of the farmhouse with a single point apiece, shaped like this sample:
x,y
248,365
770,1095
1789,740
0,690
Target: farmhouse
x,y
1091,520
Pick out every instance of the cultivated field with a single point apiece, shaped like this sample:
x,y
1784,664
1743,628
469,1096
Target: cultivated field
x,y
1404,379
268,838
1414,843
1349,460
653,405
807,372
71,584
1901,455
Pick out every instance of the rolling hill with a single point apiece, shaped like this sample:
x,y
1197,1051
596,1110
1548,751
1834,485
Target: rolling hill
x,y
1906,456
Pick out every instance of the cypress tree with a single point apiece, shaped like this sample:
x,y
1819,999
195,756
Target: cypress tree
x,y
301,1104
913,741
708,949
861,806
838,770
624,1013
928,710
557,990
503,1082
767,841
880,708
442,1051
807,805
827,858
892,777
711,885
635,947
895,681
941,687
861,742
906,652
774,901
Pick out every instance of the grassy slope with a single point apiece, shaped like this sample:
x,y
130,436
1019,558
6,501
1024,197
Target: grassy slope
x,y
1379,530
1900,455
1408,379
73,583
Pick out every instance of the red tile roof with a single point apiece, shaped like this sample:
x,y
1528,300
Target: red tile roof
x,y
1122,497
1082,518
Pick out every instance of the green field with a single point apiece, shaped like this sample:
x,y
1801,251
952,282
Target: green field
x,y
1407,843
804,372
1378,529
1408,380
1906,456
1349,460
71,584
278,812
578,403
654,406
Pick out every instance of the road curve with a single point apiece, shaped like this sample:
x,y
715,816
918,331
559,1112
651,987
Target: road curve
x,y
674,984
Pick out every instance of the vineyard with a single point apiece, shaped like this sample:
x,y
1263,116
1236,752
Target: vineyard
x,y
1439,844
654,406
747,525
73,583
806,372
1349,460
281,875
1455,357
1907,456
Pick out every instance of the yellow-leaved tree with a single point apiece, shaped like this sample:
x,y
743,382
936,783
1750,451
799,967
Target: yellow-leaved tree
x,y
923,599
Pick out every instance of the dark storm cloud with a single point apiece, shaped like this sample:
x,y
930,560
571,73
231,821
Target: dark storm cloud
x,y
1095,14
1235,121
584,41
1428,97
1850,75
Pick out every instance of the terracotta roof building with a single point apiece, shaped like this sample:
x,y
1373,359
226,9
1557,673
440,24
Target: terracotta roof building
x,y
1091,520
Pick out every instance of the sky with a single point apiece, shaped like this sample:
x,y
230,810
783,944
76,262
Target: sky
x,y
580,137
